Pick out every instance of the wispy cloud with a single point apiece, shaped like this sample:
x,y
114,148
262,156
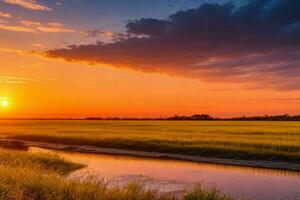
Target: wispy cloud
x,y
106,35
5,14
50,28
29,26
38,45
13,80
7,50
30,23
23,80
275,99
16,28
56,24
16,51
29,4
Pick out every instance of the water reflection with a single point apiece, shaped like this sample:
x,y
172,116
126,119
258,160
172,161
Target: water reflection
x,y
177,176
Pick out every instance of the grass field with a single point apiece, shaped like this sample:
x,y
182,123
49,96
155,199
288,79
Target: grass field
x,y
279,141
36,176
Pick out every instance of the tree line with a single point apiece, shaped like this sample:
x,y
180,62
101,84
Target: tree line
x,y
207,117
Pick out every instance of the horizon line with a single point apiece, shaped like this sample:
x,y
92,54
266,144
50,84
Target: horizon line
x,y
194,117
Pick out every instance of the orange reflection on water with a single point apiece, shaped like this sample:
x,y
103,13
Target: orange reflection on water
x,y
176,176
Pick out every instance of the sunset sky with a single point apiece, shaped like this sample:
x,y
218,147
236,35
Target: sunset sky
x,y
149,58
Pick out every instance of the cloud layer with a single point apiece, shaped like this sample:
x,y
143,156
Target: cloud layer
x,y
29,26
5,14
29,4
256,43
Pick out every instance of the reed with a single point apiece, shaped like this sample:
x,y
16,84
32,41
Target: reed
x,y
277,141
36,176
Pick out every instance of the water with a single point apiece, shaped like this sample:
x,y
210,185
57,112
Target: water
x,y
172,176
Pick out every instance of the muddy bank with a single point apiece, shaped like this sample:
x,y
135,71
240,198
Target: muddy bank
x,y
13,144
99,150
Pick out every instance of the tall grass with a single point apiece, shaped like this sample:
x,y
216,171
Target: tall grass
x,y
35,176
23,183
278,141
36,161
200,194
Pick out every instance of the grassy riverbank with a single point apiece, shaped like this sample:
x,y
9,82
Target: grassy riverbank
x,y
36,176
276,141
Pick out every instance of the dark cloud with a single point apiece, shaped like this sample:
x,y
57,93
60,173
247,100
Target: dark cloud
x,y
258,42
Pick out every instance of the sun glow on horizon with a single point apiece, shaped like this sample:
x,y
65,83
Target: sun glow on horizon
x,y
4,103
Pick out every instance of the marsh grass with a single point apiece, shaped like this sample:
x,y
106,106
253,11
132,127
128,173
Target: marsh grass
x,y
36,161
36,176
25,183
200,194
276,141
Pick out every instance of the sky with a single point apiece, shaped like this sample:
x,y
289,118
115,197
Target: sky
x,y
149,58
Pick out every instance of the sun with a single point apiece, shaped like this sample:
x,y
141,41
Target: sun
x,y
4,103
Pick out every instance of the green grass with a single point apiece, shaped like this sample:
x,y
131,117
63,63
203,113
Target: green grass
x,y
36,176
277,141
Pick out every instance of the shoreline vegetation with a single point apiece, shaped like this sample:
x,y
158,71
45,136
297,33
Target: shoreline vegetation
x,y
195,117
38,176
32,176
157,155
261,140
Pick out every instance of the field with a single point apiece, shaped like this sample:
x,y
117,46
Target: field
x,y
277,141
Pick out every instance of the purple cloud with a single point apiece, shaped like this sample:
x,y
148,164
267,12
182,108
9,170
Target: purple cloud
x,y
258,42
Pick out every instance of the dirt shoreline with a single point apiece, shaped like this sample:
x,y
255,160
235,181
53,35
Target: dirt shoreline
x,y
145,154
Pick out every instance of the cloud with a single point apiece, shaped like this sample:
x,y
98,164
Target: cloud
x,y
29,4
275,99
36,27
98,32
13,80
54,28
5,14
23,80
257,43
56,24
16,51
38,45
16,28
59,3
106,36
30,23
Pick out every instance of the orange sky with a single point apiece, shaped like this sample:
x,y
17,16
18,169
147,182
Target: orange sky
x,y
39,87
36,86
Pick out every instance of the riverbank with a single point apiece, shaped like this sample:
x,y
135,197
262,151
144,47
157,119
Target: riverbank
x,y
265,141
42,176
114,151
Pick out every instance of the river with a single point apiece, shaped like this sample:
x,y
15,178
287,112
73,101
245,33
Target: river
x,y
173,176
